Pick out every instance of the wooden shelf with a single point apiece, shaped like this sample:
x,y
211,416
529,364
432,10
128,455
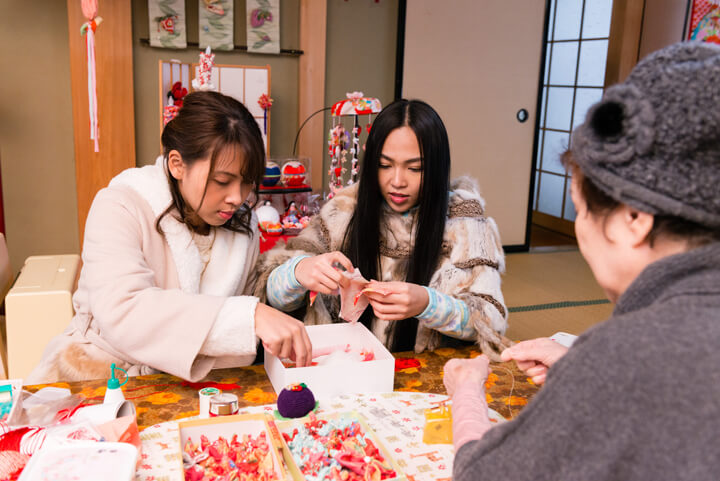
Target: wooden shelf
x,y
285,190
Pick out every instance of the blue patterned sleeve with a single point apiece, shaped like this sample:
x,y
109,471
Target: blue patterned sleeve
x,y
448,315
284,292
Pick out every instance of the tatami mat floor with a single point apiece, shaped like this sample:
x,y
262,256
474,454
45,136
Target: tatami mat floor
x,y
551,289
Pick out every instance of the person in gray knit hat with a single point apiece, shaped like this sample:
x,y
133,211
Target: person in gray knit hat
x,y
635,397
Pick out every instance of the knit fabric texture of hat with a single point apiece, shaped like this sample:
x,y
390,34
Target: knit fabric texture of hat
x,y
653,141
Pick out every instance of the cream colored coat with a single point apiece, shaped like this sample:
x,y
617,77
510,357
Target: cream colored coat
x,y
143,300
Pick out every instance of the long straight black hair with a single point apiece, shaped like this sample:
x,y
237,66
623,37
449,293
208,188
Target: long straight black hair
x,y
362,238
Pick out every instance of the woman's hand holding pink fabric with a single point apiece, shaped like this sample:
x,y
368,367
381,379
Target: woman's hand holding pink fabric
x,y
466,371
282,335
393,301
319,273
535,356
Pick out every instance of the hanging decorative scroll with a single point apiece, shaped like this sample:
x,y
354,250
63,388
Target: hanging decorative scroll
x,y
216,24
167,23
705,21
263,26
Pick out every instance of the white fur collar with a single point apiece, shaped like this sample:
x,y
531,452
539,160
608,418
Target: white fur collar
x,y
228,256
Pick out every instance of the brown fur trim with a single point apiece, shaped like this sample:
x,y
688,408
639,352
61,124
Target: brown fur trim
x,y
306,245
324,235
466,208
77,362
498,305
470,263
394,252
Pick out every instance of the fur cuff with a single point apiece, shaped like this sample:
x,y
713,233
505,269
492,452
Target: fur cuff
x,y
233,333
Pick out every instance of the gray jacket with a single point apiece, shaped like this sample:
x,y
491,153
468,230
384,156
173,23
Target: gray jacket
x,y
636,397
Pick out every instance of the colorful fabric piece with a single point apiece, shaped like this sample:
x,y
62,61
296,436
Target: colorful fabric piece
x,y
167,23
215,24
263,26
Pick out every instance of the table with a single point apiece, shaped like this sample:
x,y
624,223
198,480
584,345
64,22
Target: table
x,y
163,397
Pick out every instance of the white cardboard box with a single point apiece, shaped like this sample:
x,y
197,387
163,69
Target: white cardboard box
x,y
342,377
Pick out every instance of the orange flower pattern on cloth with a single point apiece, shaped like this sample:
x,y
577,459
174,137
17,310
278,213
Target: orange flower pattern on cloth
x,y
258,396
163,398
410,386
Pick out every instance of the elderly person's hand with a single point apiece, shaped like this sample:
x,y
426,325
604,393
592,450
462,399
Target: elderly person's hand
x,y
462,371
535,356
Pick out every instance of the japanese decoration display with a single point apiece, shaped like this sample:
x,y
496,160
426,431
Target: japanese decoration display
x,y
90,9
263,26
272,174
340,143
167,23
705,21
265,103
269,219
203,80
215,22
293,174
174,101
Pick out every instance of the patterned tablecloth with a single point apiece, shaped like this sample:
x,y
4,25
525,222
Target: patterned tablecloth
x,y
159,398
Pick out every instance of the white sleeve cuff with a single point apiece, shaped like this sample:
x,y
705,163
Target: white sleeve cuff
x,y
233,332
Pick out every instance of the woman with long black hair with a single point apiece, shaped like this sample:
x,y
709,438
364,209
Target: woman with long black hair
x,y
433,256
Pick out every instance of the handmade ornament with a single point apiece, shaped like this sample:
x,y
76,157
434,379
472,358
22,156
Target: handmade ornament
x,y
295,401
354,105
89,9
240,459
170,111
339,449
268,219
293,221
337,146
177,92
203,80
272,174
293,174
265,103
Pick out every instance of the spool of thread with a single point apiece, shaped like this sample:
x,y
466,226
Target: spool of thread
x,y
224,404
205,394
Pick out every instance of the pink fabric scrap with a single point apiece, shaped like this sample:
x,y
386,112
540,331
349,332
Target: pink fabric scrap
x,y
352,306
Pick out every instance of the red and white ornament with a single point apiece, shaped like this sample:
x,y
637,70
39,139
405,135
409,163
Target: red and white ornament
x,y
293,174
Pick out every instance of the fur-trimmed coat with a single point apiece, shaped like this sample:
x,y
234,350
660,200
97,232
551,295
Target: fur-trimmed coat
x,y
146,301
469,269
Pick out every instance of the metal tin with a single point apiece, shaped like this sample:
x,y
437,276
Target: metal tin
x,y
205,394
223,404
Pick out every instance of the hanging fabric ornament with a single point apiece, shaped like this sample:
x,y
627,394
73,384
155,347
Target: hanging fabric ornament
x,y
265,103
89,9
203,81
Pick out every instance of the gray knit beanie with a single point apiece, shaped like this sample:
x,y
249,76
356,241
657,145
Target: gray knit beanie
x,y
653,141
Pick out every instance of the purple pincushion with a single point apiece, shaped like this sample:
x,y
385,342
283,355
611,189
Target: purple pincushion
x,y
295,401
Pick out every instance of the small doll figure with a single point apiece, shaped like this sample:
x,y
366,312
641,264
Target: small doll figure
x,y
293,221
292,214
